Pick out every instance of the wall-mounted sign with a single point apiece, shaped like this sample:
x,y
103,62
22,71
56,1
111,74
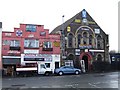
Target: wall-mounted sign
x,y
85,29
84,13
56,44
68,62
18,33
68,29
85,46
86,50
13,52
97,31
30,35
43,33
8,34
77,51
90,22
77,20
84,20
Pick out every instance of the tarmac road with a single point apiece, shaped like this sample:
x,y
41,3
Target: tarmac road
x,y
95,80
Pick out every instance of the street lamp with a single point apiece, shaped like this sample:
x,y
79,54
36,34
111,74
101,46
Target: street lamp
x,y
62,41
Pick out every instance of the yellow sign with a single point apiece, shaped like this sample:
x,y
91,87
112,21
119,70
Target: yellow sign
x,y
68,28
77,20
90,22
56,44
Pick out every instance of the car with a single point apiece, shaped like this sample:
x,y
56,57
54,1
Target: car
x,y
67,70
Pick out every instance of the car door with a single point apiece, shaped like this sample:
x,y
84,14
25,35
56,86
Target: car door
x,y
41,69
71,70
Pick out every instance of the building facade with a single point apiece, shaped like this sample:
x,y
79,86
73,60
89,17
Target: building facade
x,y
115,61
82,40
28,45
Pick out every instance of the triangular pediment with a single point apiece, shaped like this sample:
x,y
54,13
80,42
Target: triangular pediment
x,y
80,19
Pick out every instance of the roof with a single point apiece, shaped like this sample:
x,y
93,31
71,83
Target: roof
x,y
58,28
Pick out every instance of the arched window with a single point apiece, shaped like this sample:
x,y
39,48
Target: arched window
x,y
85,38
69,61
70,40
78,40
99,42
90,39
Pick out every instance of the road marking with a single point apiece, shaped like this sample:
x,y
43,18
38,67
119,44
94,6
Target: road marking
x,y
68,85
56,86
93,85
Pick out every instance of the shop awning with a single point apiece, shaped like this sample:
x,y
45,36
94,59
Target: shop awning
x,y
11,60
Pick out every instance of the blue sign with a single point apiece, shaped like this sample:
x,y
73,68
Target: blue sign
x,y
85,47
84,13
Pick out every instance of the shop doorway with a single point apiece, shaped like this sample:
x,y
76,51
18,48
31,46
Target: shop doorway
x,y
56,65
85,58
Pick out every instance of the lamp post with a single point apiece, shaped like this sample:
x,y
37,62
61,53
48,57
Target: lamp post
x,y
0,46
62,42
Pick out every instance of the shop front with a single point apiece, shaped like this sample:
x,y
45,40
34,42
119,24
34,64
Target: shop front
x,y
9,65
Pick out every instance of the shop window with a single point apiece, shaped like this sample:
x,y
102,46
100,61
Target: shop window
x,y
6,42
30,28
31,43
14,43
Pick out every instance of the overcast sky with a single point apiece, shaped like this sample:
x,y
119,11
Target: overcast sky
x,y
49,13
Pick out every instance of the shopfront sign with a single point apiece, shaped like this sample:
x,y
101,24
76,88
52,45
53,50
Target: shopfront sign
x,y
13,52
31,51
37,57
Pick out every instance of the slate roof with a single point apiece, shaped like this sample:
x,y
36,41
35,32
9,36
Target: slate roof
x,y
58,28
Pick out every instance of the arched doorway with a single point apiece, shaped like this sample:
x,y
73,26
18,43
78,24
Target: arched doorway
x,y
85,58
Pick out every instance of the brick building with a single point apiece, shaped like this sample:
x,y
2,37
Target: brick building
x,y
28,45
82,39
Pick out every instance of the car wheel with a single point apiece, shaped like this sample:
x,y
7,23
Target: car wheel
x,y
60,73
77,72
47,73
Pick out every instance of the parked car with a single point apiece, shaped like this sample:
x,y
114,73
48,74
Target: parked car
x,y
67,70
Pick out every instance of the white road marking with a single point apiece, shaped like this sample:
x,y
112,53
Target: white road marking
x,y
93,85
